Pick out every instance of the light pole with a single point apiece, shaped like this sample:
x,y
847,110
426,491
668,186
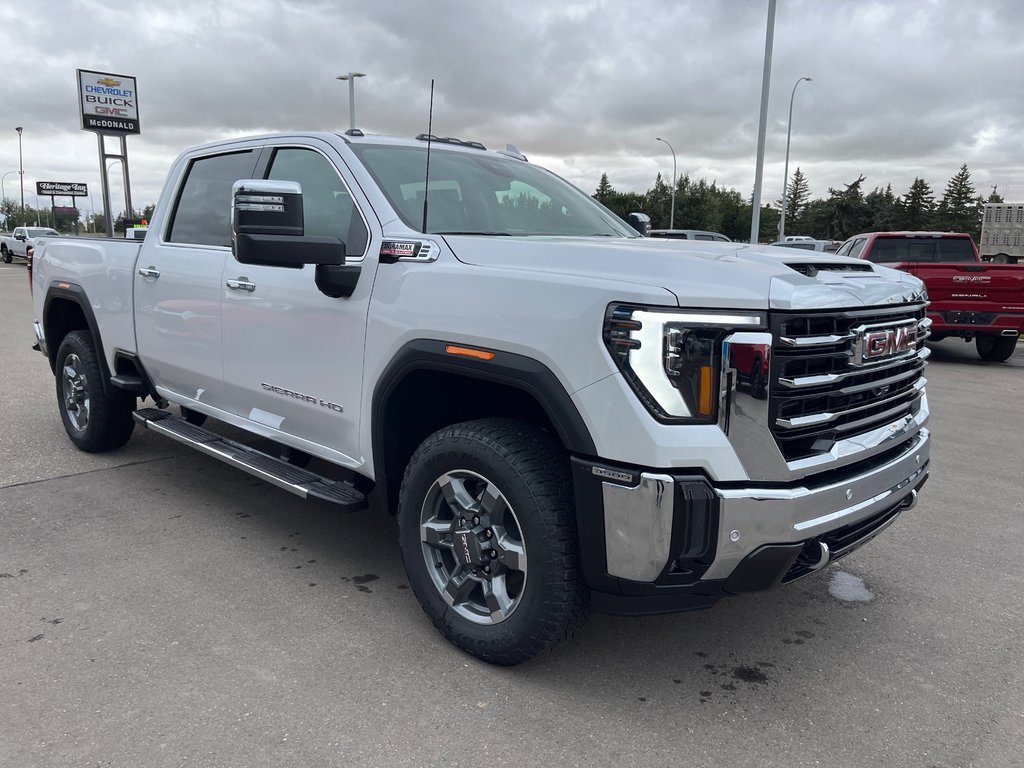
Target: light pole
x,y
34,195
672,212
21,171
3,194
766,79
351,77
785,172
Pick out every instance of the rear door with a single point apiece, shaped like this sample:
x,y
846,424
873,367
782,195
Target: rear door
x,y
178,288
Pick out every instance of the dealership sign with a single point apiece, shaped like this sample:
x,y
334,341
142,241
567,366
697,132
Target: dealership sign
x,y
108,103
62,188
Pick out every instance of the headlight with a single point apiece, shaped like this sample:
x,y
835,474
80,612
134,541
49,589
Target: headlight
x,y
673,358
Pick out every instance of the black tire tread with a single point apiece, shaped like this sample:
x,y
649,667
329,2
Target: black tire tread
x,y
110,418
541,465
1000,350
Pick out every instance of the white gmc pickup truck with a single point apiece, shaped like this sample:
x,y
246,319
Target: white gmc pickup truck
x,y
16,244
563,415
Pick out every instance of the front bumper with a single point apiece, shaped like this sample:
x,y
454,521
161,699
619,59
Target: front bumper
x,y
655,542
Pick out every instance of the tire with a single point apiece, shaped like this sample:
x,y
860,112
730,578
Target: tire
x,y
995,349
94,421
6,254
505,584
758,381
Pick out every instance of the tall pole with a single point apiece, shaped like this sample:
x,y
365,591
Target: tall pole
x,y
351,77
672,213
766,78
785,172
3,193
21,171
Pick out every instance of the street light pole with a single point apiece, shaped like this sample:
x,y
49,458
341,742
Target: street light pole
x,y
21,171
3,193
672,212
785,172
766,77
351,77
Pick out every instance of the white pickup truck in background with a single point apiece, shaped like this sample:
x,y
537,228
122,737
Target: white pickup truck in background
x,y
563,415
16,244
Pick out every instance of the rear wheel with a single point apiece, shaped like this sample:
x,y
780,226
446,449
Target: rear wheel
x,y
995,348
5,253
94,421
758,381
487,534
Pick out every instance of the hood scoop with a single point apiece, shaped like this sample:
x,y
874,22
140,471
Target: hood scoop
x,y
811,269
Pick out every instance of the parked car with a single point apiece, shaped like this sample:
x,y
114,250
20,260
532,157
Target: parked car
x,y
968,298
15,245
828,246
688,234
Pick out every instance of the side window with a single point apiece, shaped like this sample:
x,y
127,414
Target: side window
x,y
327,207
703,237
857,247
202,214
844,249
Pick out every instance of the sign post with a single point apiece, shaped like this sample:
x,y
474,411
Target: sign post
x,y
109,107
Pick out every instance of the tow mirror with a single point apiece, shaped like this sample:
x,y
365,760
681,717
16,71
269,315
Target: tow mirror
x,y
641,222
267,227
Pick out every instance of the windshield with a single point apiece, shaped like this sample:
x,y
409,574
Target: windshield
x,y
481,194
41,232
911,249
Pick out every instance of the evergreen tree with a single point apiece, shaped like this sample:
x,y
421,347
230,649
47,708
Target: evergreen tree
x,y
960,207
883,213
847,213
797,196
604,190
658,200
917,209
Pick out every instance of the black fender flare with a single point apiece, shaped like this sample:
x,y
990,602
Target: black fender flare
x,y
506,368
74,293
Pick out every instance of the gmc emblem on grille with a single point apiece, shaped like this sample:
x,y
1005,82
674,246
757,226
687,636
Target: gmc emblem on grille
x,y
874,343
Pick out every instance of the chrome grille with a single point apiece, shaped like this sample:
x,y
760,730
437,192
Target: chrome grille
x,y
819,395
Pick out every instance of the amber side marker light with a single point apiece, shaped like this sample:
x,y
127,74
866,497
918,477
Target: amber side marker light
x,y
478,354
706,403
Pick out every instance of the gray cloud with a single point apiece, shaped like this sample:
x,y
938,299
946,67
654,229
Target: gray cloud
x,y
899,89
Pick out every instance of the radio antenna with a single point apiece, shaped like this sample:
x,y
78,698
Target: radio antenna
x,y
426,179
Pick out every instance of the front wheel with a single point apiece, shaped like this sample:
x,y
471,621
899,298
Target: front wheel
x,y
995,348
94,421
486,525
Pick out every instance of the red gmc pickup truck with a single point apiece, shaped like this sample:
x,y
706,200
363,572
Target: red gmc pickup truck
x,y
968,298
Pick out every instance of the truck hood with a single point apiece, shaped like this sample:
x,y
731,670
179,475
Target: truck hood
x,y
702,274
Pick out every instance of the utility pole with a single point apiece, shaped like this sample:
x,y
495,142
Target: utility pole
x,y
766,78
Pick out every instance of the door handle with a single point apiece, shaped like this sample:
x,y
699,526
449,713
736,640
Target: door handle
x,y
150,272
241,284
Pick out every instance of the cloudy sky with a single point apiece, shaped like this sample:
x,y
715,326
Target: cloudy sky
x,y
901,88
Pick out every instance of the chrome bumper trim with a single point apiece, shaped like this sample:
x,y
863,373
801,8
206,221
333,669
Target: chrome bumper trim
x,y
638,526
40,338
753,517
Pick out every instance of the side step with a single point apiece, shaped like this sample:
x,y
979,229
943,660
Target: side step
x,y
302,483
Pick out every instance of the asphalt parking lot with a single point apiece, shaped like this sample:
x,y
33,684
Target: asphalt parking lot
x,y
158,608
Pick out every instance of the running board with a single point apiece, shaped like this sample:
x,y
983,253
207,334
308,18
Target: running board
x,y
302,483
